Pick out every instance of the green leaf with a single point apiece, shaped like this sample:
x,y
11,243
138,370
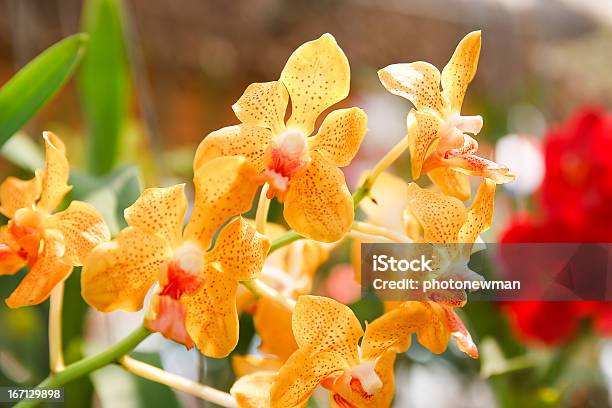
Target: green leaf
x,y
26,92
103,82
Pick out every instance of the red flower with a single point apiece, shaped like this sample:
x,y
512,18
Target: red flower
x,y
575,198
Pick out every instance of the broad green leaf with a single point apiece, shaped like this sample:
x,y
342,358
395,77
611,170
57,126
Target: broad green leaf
x,y
103,82
26,92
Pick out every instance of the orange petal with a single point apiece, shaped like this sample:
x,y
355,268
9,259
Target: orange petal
x,y
48,271
240,250
384,396
391,331
460,333
245,365
273,324
460,70
301,374
480,213
82,227
55,178
423,128
440,216
340,135
10,261
477,166
318,204
419,82
211,316
264,105
435,334
160,211
322,324
240,140
168,318
451,182
317,75
253,391
224,187
118,274
16,194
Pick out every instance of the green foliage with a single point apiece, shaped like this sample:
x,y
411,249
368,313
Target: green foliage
x,y
24,94
103,83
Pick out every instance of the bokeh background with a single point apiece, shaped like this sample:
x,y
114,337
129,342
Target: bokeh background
x,y
166,73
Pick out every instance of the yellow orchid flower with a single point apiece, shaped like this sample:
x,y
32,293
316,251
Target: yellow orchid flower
x,y
327,334
196,302
290,270
432,217
302,171
438,137
49,244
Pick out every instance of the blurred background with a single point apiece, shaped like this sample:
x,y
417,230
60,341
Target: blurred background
x,y
159,75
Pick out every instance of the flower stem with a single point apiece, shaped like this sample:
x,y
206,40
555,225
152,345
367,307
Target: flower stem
x,y
263,207
177,382
260,289
91,363
362,191
56,354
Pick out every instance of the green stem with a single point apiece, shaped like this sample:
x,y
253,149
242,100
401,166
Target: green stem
x,y
91,363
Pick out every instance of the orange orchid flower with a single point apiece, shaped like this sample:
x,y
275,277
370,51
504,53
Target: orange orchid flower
x,y
196,301
430,217
301,170
438,135
290,270
327,334
49,244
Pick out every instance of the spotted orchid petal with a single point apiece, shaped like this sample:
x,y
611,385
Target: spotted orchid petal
x,y
240,250
480,213
441,217
55,177
211,318
419,82
240,140
451,182
300,376
340,135
82,227
224,187
460,70
318,204
317,75
160,211
323,324
263,105
118,274
423,129
16,194
48,270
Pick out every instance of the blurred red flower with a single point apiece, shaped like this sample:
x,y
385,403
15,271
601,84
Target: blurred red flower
x,y
576,206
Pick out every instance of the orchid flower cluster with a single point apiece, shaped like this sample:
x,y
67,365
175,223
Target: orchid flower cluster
x,y
205,272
